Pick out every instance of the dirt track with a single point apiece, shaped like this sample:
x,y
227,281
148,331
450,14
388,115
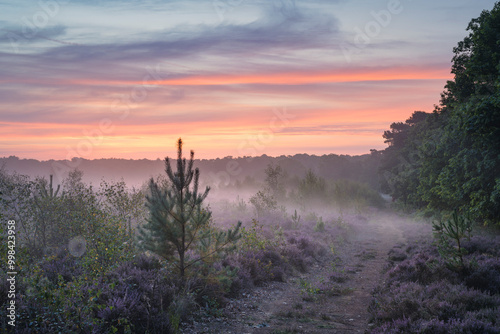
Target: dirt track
x,y
281,308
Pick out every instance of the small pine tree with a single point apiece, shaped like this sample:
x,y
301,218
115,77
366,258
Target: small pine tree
x,y
47,203
456,229
295,220
312,187
177,221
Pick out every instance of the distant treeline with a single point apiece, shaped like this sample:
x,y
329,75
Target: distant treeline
x,y
450,159
218,172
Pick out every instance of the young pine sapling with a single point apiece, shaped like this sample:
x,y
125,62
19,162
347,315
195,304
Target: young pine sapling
x,y
456,228
178,222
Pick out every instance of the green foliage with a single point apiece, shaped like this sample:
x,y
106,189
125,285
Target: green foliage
x,y
127,205
279,239
49,224
400,161
451,158
264,203
456,229
49,216
241,205
81,214
295,220
177,221
16,202
320,225
347,193
312,187
106,245
475,63
274,181
212,307
73,300
252,238
213,242
312,191
308,288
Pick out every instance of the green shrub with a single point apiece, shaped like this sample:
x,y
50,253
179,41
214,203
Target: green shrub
x,y
454,229
346,193
252,238
320,225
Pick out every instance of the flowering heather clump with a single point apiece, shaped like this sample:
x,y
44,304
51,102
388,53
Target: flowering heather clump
x,y
269,259
482,245
135,296
422,295
242,279
121,311
296,258
423,267
63,265
263,266
145,262
436,326
484,274
439,299
396,254
307,246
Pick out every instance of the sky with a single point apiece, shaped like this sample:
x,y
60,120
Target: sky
x,y
125,79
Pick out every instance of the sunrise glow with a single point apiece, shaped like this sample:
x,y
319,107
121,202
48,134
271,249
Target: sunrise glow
x,y
257,78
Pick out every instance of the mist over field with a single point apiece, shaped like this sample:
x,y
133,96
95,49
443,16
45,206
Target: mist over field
x,y
234,181
218,172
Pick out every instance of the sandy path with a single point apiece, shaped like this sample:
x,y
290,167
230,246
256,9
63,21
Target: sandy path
x,y
281,308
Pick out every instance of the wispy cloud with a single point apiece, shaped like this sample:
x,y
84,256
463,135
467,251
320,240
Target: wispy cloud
x,y
214,72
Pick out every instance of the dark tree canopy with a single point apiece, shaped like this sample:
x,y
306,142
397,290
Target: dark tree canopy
x,y
451,159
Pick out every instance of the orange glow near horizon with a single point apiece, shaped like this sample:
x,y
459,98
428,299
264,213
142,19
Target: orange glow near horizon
x,y
235,123
283,78
298,78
